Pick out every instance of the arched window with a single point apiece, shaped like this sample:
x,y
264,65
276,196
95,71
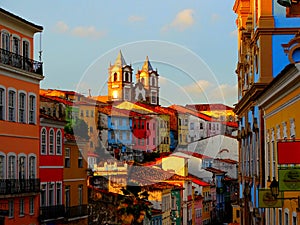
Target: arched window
x,y
5,41
153,81
51,142
11,167
22,107
32,109
2,103
2,166
12,105
115,76
126,76
32,167
43,141
22,166
58,142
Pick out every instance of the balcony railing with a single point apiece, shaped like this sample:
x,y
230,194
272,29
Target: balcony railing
x,y
18,61
19,186
53,212
76,211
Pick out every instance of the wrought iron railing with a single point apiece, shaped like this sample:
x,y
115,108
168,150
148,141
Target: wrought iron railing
x,y
19,186
18,61
76,211
52,212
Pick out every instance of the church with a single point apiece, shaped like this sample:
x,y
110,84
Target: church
x,y
121,86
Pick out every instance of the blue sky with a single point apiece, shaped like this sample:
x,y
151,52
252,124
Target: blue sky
x,y
193,44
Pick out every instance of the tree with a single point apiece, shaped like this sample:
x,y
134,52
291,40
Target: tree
x,y
78,128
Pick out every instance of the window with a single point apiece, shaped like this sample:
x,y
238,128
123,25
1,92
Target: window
x,y
51,194
5,41
31,205
201,126
21,207
16,45
126,93
22,167
192,126
11,208
153,97
67,196
58,193
2,103
22,108
87,113
2,167
26,49
115,76
58,142
11,105
80,160
80,187
81,113
43,141
11,173
43,194
51,142
92,113
32,108
67,158
32,167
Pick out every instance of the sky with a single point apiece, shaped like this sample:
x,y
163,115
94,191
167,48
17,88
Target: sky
x,y
191,43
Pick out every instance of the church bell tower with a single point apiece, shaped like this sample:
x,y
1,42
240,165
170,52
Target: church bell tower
x,y
120,80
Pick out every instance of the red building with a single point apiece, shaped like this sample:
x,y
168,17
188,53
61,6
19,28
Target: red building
x,y
51,164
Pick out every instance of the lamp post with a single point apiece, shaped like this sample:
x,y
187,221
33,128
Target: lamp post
x,y
274,186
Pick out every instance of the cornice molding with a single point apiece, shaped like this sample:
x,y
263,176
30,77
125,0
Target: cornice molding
x,y
249,99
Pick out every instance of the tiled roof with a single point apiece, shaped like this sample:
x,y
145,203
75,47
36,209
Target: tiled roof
x,y
229,161
48,98
183,109
209,107
198,181
214,170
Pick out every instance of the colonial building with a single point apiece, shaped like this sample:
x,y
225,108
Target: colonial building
x,y
51,163
121,86
280,103
266,44
20,78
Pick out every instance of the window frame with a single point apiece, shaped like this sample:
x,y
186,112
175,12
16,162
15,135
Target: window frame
x,y
21,207
3,103
43,144
11,208
67,157
31,206
5,44
11,171
32,168
58,142
22,168
12,106
22,109
32,106
51,141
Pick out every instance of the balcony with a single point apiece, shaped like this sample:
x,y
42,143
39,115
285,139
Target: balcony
x,y
54,212
18,61
19,186
79,211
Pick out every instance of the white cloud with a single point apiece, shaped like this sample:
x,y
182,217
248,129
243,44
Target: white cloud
x,y
198,87
80,31
183,20
225,92
61,27
135,19
90,32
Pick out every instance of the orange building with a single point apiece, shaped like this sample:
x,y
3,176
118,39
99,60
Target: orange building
x,y
20,78
75,181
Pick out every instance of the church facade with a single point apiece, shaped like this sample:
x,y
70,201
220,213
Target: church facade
x,y
122,87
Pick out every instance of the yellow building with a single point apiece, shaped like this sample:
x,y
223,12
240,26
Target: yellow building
x,y
280,109
75,182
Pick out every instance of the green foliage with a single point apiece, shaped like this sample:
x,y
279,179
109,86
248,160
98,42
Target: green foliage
x,y
77,127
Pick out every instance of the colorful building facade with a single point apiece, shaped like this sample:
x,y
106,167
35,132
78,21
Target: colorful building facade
x,y
20,78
